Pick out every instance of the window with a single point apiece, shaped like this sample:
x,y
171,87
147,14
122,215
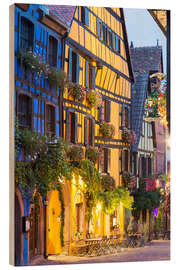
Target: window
x,y
72,127
84,16
24,111
104,33
110,40
143,167
105,160
135,163
89,131
126,160
126,117
27,34
106,110
74,67
52,57
149,166
50,120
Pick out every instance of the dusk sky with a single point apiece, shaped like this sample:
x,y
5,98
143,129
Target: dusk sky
x,y
143,30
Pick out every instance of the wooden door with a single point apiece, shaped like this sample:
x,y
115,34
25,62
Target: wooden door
x,y
18,229
34,235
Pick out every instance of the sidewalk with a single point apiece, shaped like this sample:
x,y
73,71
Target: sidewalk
x,y
157,250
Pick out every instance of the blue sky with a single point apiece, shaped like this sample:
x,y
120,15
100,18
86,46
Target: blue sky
x,y
143,30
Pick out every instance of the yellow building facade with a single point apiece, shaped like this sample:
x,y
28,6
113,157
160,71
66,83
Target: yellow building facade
x,y
96,56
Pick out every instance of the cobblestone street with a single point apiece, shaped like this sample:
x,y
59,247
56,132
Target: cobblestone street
x,y
158,250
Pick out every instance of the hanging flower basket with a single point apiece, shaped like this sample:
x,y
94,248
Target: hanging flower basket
x,y
75,153
76,91
128,136
107,130
94,98
129,180
155,105
107,183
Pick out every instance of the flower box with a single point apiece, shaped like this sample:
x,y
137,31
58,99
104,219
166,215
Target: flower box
x,y
128,136
94,98
107,130
76,91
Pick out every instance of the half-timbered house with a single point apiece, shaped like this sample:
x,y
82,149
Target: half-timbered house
x,y
97,57
148,152
37,106
90,44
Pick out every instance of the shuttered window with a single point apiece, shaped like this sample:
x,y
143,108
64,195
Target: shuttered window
x,y
89,131
126,117
126,160
105,160
24,113
72,127
143,163
50,120
85,16
106,110
52,53
27,34
149,166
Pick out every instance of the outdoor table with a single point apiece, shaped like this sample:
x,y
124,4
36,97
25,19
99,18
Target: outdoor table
x,y
94,246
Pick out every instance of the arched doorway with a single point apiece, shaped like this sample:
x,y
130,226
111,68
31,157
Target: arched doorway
x,y
54,223
37,228
18,231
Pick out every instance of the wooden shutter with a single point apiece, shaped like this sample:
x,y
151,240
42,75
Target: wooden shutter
x,y
123,114
70,63
67,125
93,77
77,68
75,127
129,117
113,40
86,73
92,132
108,111
86,17
98,27
100,113
109,160
59,54
85,130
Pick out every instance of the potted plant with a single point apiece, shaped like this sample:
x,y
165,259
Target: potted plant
x,y
107,130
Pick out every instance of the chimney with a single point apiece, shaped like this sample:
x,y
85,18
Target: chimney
x,y
132,45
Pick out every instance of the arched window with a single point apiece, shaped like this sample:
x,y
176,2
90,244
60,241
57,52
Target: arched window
x,y
24,113
27,34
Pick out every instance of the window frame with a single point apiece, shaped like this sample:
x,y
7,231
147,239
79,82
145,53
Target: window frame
x,y
52,51
52,132
30,39
27,115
